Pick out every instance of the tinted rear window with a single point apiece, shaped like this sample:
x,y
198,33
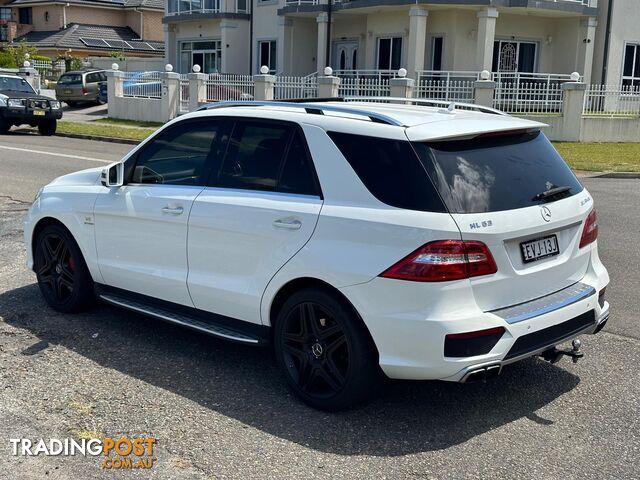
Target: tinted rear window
x,y
496,173
70,79
390,170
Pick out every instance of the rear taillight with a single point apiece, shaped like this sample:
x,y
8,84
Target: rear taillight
x,y
84,90
444,260
590,230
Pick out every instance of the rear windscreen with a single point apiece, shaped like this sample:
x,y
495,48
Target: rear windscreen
x,y
70,79
495,173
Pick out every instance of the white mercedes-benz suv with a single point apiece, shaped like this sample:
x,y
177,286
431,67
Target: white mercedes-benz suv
x,y
359,238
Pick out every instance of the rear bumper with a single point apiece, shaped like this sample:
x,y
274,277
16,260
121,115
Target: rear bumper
x,y
409,324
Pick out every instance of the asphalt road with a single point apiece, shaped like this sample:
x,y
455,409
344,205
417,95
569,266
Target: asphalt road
x,y
221,410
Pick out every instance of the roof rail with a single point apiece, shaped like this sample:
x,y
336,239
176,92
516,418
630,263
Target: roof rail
x,y
427,102
308,107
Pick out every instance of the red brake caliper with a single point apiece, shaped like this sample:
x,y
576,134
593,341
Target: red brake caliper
x,y
71,263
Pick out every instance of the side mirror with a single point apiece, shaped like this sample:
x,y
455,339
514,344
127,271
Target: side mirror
x,y
113,175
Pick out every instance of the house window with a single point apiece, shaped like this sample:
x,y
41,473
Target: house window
x,y
5,14
514,56
436,53
207,55
631,69
389,53
267,55
25,16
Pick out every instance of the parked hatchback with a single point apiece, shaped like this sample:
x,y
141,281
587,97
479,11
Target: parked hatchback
x,y
359,239
80,86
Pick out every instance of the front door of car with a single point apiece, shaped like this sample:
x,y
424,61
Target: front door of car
x,y
141,227
258,211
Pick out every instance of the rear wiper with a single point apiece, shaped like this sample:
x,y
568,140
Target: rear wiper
x,y
552,192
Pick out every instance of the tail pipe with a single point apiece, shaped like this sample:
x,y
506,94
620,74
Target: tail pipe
x,y
482,374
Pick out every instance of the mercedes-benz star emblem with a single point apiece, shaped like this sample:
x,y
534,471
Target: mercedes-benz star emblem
x,y
546,214
316,349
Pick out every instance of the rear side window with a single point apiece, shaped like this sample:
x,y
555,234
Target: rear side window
x,y
390,170
298,175
496,173
178,155
254,156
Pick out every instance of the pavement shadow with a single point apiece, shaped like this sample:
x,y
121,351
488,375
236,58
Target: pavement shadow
x,y
244,383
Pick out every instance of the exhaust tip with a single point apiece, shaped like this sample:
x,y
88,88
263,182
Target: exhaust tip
x,y
482,374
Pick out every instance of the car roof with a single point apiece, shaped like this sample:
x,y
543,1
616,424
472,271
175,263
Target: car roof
x,y
423,121
10,75
90,70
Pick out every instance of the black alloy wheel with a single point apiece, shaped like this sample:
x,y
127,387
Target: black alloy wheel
x,y
62,274
325,350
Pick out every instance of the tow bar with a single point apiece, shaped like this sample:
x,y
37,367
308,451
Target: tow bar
x,y
553,355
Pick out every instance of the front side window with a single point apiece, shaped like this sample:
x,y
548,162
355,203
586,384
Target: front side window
x,y
496,173
631,68
389,53
179,155
25,16
390,170
254,156
267,55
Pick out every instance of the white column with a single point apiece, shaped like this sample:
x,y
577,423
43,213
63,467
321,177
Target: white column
x,y
263,86
417,39
586,41
170,95
323,31
486,36
284,46
197,90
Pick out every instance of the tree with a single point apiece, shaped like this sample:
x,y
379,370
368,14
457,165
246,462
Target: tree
x,y
13,56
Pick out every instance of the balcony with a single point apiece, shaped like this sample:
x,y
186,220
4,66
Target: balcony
x,y
206,7
513,3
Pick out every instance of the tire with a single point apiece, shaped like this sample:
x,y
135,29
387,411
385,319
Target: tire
x,y
47,127
72,104
99,101
4,125
63,276
325,351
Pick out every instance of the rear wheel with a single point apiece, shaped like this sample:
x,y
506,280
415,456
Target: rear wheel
x,y
47,127
63,277
325,351
71,103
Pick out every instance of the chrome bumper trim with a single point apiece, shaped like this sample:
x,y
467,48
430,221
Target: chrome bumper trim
x,y
548,303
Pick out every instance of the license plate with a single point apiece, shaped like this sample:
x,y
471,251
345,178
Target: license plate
x,y
68,91
38,112
539,248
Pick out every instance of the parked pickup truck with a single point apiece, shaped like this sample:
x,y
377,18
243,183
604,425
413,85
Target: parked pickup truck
x,y
21,104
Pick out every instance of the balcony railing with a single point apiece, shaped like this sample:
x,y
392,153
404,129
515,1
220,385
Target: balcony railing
x,y
586,3
187,7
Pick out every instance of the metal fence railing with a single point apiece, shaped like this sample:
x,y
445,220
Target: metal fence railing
x,y
287,87
455,91
528,97
184,93
612,101
364,87
142,84
229,87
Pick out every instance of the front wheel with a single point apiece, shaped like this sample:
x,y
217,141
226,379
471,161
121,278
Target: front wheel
x,y
63,277
324,349
47,127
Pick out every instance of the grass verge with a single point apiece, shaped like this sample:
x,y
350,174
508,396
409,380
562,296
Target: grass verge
x,y
103,130
601,157
127,123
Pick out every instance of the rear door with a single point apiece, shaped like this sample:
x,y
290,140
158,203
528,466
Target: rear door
x,y
499,191
258,211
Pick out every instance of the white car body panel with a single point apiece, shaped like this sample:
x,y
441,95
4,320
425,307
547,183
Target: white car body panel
x,y
224,255
235,246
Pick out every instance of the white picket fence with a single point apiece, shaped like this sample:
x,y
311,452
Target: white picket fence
x,y
612,101
535,98
364,87
454,91
288,87
229,87
184,93
142,85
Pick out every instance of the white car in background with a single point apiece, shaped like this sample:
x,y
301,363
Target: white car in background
x,y
360,239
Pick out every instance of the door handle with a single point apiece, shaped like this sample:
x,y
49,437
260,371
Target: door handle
x,y
288,223
173,210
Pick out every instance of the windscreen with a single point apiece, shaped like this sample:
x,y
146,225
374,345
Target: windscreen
x,y
13,84
497,172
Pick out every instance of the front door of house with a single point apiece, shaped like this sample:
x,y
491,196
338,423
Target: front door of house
x,y
514,56
345,55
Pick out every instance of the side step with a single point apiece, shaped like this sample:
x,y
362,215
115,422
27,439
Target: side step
x,y
180,319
